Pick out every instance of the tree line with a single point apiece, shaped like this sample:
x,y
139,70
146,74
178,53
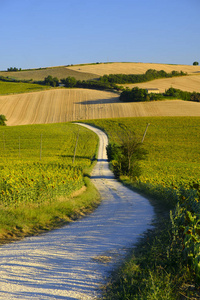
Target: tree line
x,y
138,95
11,69
150,74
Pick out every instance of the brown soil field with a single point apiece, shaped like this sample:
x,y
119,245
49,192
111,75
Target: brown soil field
x,y
186,83
63,105
132,68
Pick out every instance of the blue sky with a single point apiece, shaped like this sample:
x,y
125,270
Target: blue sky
x,y
42,33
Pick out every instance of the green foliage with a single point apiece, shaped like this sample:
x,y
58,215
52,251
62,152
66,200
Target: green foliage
x,y
13,69
2,120
176,93
51,81
125,156
69,81
150,74
195,63
37,170
170,176
137,95
186,227
88,84
134,95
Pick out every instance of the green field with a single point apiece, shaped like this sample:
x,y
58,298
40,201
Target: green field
x,y
172,143
19,87
166,262
39,172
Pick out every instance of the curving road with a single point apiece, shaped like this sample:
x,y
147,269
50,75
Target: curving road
x,y
72,262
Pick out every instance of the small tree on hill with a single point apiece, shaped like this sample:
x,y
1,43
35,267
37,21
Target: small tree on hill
x,y
195,63
2,120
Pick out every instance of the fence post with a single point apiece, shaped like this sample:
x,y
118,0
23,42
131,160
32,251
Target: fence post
x,y
19,147
145,132
41,147
4,144
76,146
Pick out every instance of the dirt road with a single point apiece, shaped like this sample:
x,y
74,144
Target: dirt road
x,y
72,262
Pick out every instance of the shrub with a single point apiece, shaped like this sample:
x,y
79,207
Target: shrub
x,y
2,120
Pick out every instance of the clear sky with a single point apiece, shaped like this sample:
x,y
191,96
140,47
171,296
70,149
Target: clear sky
x,y
43,33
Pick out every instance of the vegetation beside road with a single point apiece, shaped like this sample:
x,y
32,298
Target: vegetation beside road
x,y
166,262
39,177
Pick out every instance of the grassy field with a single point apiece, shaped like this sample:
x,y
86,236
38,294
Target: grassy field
x,y
173,145
40,74
38,177
19,87
157,268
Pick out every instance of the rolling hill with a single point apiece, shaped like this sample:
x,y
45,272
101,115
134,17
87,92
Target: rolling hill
x,y
131,68
63,105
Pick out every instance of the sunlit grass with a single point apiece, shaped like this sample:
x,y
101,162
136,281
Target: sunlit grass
x,y
40,170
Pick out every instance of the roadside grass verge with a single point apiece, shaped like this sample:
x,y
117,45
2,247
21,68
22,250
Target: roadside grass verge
x,y
164,263
42,184
154,269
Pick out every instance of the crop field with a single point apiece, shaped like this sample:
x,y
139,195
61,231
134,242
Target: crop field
x,y
38,167
19,87
186,83
167,260
173,150
132,68
40,74
63,105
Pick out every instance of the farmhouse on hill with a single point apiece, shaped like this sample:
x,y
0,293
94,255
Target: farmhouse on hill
x,y
154,91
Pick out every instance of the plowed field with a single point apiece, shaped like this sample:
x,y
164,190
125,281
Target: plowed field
x,y
63,105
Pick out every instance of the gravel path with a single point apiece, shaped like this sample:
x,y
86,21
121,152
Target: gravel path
x,y
72,262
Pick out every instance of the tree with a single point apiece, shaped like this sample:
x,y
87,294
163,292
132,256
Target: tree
x,y
49,80
195,63
126,155
2,120
69,81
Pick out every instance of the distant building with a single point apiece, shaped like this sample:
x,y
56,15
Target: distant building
x,y
154,91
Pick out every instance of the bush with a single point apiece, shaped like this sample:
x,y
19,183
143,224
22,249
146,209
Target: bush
x,y
49,80
2,120
150,74
125,157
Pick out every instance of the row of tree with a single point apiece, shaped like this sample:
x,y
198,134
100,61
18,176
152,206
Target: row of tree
x,y
138,95
90,84
150,74
11,69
